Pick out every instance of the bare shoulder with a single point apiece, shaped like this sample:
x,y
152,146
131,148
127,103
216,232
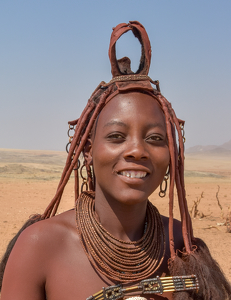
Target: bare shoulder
x,y
48,232
35,248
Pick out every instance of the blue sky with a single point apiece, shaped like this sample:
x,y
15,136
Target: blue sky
x,y
53,53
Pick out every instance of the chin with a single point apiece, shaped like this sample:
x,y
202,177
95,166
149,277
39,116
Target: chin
x,y
131,197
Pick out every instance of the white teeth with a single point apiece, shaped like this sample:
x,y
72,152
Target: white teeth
x,y
134,174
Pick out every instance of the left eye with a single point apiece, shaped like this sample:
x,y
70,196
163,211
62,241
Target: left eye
x,y
154,138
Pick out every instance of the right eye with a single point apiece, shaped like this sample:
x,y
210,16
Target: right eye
x,y
116,137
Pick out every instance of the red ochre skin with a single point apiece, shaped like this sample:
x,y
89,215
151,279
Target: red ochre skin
x,y
48,260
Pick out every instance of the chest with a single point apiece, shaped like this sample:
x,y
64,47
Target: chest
x,y
72,277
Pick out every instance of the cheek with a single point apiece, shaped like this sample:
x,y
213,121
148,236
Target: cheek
x,y
103,156
163,160
166,157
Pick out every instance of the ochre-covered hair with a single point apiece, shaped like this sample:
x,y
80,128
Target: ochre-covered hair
x,y
195,257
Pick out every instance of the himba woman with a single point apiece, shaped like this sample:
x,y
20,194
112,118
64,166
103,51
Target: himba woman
x,y
131,142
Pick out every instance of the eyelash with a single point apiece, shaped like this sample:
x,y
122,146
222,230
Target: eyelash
x,y
154,138
118,137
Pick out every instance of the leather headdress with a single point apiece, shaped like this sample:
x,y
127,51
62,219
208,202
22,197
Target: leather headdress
x,y
122,75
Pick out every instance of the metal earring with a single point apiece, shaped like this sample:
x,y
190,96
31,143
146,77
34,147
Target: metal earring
x,y
164,185
84,185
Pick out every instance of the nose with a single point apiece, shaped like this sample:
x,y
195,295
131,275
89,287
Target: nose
x,y
136,150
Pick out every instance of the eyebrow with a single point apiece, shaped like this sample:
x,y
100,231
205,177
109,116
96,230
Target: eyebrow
x,y
115,122
157,124
122,124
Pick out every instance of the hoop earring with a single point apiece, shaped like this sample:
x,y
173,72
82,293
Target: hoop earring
x,y
84,185
162,192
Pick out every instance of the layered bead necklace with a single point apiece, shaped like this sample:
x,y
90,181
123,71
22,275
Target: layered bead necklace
x,y
121,261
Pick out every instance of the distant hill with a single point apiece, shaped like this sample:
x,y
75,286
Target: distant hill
x,y
224,149
227,145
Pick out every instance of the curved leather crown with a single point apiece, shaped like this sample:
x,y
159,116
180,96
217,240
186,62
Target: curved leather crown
x,y
122,74
140,33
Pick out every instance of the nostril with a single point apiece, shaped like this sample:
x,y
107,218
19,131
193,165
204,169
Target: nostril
x,y
136,153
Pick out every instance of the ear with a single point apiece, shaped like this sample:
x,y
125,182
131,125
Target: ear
x,y
87,152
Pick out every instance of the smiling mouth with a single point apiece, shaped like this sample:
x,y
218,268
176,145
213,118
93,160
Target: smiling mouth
x,y
133,174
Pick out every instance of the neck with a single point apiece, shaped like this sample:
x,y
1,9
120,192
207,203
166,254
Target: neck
x,y
124,221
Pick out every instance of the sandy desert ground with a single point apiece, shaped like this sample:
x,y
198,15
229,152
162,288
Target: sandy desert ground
x,y
28,180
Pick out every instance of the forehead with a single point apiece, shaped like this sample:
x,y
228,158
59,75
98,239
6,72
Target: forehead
x,y
133,107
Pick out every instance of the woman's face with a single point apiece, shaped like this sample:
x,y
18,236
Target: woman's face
x,y
129,151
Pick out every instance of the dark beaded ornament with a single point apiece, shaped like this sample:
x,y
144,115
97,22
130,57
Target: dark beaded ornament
x,y
119,260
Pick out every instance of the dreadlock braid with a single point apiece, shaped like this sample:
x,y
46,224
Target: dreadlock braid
x,y
189,230
170,128
94,109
